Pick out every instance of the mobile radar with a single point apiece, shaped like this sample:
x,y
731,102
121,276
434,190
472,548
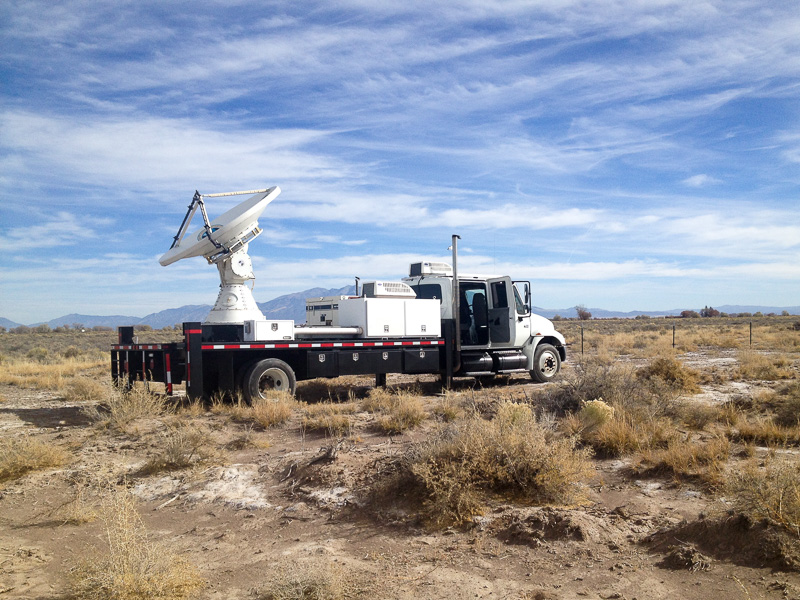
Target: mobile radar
x,y
223,242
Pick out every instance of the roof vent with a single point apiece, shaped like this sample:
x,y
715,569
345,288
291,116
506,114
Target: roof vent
x,y
429,268
388,289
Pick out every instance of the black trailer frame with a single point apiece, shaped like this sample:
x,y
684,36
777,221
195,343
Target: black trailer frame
x,y
214,359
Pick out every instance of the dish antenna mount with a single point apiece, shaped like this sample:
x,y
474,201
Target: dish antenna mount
x,y
223,242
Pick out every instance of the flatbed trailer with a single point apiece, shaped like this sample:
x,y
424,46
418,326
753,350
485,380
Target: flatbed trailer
x,y
215,360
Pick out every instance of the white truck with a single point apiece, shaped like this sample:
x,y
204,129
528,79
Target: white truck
x,y
408,330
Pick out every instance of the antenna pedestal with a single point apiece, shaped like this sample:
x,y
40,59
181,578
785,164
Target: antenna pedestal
x,y
235,302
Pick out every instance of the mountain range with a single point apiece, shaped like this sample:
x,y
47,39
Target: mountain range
x,y
293,306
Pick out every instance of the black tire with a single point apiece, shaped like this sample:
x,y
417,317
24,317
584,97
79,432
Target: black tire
x,y
546,363
268,375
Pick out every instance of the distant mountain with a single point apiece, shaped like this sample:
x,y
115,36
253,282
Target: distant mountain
x,y
601,313
293,307
8,324
175,316
90,321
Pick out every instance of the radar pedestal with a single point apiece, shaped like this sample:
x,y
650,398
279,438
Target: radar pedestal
x,y
235,302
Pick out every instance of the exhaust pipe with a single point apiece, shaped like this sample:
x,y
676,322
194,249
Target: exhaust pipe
x,y
456,305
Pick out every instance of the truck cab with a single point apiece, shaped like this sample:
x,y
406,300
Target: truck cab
x,y
495,329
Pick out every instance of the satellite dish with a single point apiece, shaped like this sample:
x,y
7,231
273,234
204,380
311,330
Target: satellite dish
x,y
223,241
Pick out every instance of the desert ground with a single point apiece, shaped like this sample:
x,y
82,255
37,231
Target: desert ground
x,y
645,471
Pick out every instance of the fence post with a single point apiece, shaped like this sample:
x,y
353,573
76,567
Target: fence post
x,y
581,339
673,336
751,334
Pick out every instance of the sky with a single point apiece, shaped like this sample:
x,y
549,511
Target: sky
x,y
628,155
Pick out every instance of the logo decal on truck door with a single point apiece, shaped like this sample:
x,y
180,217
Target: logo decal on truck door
x,y
355,356
321,357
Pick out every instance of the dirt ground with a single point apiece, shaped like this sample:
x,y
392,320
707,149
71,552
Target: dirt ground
x,y
289,499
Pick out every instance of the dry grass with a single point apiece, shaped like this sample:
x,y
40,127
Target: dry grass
x,y
764,430
134,567
786,402
397,410
23,454
767,492
627,433
667,370
33,373
85,389
182,447
690,458
275,409
310,581
333,419
758,366
123,407
509,456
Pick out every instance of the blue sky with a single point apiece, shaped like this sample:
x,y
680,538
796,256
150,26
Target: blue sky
x,y
619,154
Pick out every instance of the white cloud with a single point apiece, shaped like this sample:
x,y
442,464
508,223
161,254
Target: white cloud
x,y
701,180
65,229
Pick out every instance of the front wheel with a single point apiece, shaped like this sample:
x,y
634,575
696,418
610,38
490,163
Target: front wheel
x,y
268,375
546,363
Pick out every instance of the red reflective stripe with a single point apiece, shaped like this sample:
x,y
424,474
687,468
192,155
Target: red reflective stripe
x,y
193,331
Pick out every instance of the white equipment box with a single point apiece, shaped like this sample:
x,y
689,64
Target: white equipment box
x,y
391,317
268,331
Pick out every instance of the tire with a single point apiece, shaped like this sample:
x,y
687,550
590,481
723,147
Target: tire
x,y
546,363
266,376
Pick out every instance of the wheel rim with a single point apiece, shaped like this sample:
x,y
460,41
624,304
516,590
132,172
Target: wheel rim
x,y
273,380
548,364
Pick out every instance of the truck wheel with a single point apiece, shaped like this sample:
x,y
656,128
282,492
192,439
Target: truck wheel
x,y
546,363
266,376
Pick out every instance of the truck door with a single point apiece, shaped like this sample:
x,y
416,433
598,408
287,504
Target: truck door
x,y
501,311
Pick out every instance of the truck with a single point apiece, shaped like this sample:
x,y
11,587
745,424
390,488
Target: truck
x,y
434,321
495,333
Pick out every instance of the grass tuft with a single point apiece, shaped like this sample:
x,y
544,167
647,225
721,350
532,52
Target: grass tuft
x,y
24,454
134,567
123,407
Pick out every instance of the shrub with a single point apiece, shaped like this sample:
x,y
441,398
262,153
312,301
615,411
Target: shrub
x,y
38,354
753,365
787,405
124,406
398,411
595,413
626,433
84,389
309,581
334,419
21,455
689,458
771,492
671,372
269,412
183,447
510,455
134,567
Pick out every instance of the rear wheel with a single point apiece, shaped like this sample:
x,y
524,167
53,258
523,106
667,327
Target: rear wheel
x,y
266,376
546,363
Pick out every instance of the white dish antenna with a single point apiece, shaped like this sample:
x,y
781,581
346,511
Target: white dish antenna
x,y
223,241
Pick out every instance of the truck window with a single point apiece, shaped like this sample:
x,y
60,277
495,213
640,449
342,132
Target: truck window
x,y
522,306
499,295
428,291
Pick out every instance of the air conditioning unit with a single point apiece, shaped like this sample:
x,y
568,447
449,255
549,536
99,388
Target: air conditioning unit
x,y
387,289
429,268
